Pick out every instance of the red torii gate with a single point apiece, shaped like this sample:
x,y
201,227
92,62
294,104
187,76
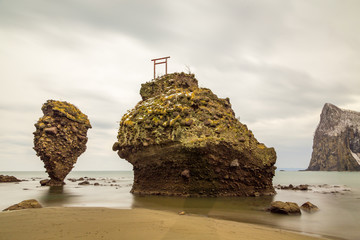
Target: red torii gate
x,y
156,63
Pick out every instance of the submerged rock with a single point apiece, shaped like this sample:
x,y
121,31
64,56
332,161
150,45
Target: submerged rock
x,y
5,178
60,138
309,207
31,203
301,187
184,140
336,145
287,208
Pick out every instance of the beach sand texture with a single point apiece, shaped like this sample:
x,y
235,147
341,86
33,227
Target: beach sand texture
x,y
104,223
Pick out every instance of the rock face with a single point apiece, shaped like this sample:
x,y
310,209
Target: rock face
x,y
31,203
184,140
5,178
286,208
336,145
60,138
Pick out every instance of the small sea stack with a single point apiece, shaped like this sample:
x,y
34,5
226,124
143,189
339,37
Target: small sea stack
x,y
183,140
60,138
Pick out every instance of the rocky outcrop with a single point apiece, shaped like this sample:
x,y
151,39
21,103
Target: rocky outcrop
x,y
60,138
31,203
301,187
287,208
336,145
184,140
5,178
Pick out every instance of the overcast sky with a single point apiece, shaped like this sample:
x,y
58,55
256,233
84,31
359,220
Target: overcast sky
x,y
279,62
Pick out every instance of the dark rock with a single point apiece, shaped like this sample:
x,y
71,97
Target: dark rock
x,y
204,138
44,182
286,208
336,145
301,187
309,207
5,179
60,138
84,183
96,184
51,182
31,203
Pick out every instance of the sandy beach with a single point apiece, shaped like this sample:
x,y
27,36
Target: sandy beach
x,y
105,223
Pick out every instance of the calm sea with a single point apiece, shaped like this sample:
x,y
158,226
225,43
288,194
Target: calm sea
x,y
337,194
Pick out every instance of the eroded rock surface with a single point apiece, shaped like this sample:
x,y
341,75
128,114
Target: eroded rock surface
x,y
184,140
336,145
60,138
31,203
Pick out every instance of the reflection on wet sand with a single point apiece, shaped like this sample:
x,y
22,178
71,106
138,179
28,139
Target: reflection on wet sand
x,y
202,206
55,196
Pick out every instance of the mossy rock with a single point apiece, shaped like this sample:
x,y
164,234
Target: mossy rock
x,y
176,112
60,138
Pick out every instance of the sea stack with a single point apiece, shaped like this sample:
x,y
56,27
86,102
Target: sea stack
x,y
336,145
60,138
183,140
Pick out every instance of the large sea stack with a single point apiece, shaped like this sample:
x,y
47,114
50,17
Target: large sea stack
x,y
336,145
183,140
60,138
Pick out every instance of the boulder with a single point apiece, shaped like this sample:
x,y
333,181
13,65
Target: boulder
x,y
286,208
31,203
5,178
184,140
84,183
309,207
59,139
336,145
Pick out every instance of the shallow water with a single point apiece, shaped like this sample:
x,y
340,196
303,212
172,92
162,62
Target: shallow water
x,y
339,200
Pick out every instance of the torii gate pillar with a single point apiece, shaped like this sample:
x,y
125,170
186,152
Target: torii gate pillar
x,y
156,63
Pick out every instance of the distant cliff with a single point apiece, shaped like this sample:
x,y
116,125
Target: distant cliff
x,y
184,140
336,145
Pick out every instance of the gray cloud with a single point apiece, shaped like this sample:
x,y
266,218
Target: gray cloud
x,y
279,61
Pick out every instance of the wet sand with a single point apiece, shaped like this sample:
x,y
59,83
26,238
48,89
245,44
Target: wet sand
x,y
105,223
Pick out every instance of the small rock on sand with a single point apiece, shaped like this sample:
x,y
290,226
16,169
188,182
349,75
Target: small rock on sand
x,y
31,203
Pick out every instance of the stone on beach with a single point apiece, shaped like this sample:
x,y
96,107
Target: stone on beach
x,y
31,203
287,208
